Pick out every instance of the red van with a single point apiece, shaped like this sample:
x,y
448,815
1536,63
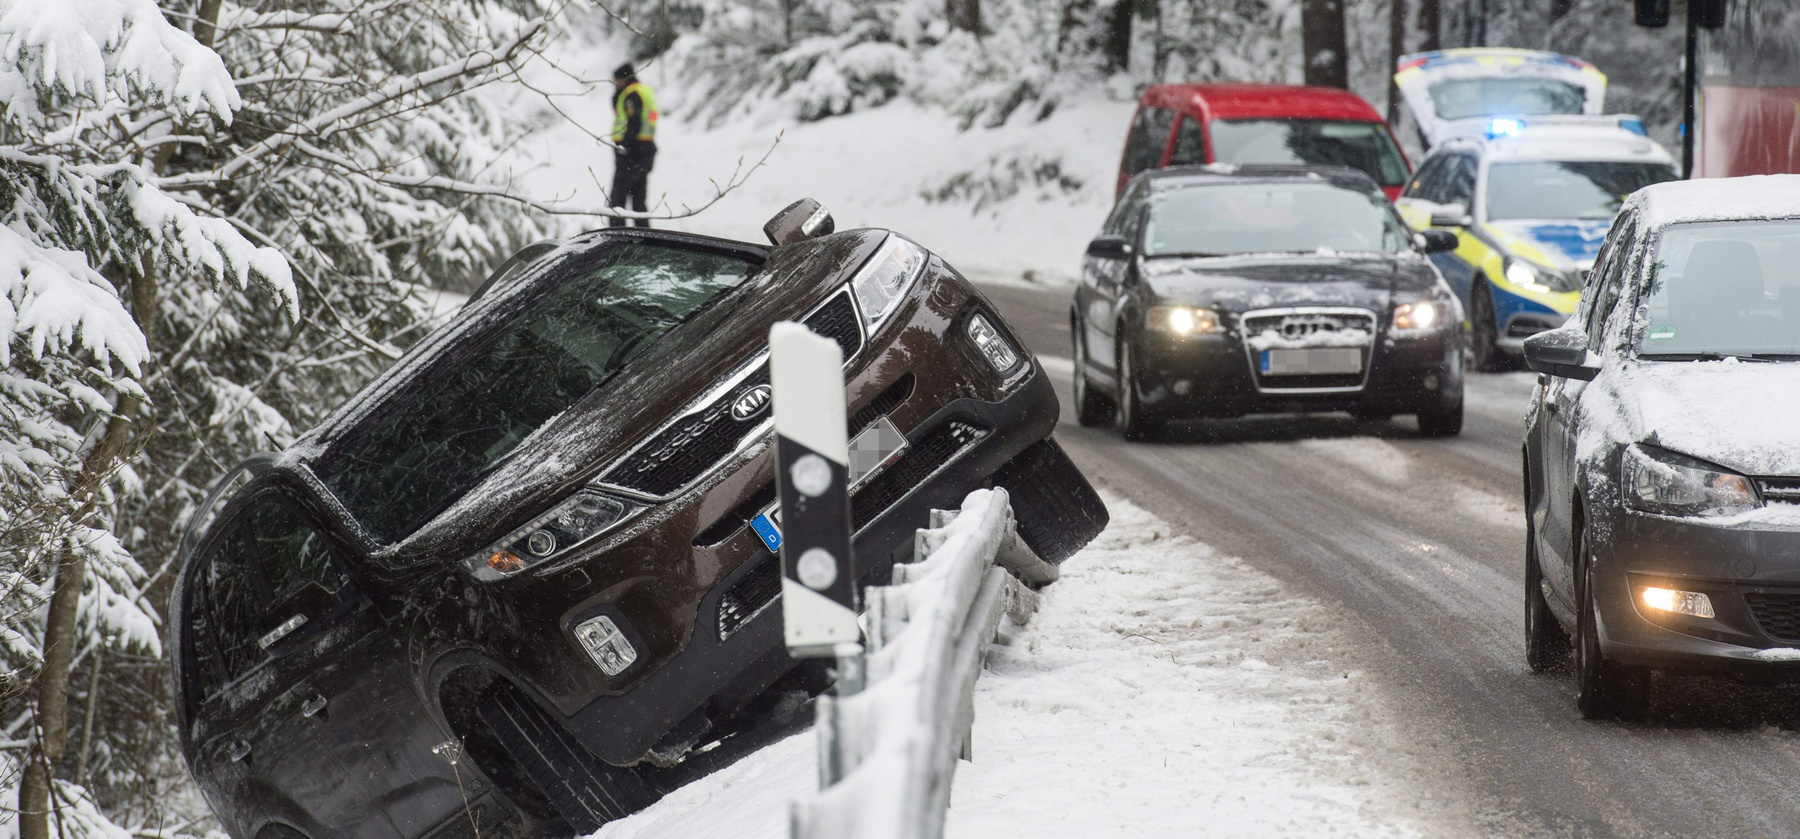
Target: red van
x,y
1180,124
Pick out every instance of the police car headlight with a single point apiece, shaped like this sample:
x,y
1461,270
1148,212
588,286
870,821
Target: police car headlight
x,y
884,280
1525,276
584,516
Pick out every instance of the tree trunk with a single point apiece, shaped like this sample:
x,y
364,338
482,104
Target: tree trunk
x,y
1118,35
1396,48
1324,44
206,22
964,15
1430,22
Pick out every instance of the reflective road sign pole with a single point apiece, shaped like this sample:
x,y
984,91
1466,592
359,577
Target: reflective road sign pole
x,y
818,570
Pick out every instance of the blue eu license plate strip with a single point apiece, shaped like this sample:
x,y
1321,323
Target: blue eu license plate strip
x,y
768,531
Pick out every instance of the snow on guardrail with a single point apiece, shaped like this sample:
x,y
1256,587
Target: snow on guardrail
x,y
887,755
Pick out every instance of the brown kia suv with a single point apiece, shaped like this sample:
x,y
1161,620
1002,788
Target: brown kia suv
x,y
525,577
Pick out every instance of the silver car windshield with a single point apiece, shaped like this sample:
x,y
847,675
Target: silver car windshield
x,y
1281,217
1724,289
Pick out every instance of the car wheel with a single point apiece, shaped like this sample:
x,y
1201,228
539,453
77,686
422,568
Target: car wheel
x,y
1547,646
1442,422
1056,510
1484,346
1091,407
1603,689
586,791
1131,417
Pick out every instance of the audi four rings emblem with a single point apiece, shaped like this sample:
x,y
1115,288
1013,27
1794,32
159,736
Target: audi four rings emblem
x,y
1302,326
751,403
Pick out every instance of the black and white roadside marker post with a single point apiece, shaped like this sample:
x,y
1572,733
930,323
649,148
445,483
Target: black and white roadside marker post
x,y
818,570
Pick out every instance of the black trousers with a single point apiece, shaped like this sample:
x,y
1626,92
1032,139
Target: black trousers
x,y
631,182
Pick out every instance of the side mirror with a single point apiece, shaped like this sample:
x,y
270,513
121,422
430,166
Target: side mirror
x,y
1450,215
804,219
1561,352
305,605
1435,241
1109,246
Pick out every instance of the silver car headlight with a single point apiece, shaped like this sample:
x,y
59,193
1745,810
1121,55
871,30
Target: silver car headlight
x,y
883,282
1669,484
579,519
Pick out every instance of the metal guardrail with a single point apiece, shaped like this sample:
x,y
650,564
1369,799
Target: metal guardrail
x,y
887,754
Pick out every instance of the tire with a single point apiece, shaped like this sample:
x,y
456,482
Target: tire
x,y
1131,417
1547,645
1091,407
1442,422
1056,509
586,791
1484,344
1603,689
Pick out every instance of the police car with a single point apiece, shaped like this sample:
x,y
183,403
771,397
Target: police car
x,y
1529,199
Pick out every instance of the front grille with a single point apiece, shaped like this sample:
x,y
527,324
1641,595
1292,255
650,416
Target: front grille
x,y
1777,614
1311,327
751,594
683,450
1780,490
883,404
1298,325
759,588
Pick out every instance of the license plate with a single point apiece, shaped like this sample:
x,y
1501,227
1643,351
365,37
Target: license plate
x,y
1313,361
767,530
875,449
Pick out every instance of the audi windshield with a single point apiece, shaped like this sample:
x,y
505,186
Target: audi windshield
x,y
440,432
1724,290
1281,217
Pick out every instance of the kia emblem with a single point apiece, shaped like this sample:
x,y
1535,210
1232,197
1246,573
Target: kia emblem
x,y
751,403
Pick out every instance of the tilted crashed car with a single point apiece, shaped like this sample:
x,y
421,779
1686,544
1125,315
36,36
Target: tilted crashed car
x,y
1219,291
1662,449
530,567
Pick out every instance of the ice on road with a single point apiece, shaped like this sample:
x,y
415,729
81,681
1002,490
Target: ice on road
x,y
1162,689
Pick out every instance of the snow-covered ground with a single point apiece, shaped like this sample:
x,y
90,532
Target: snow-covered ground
x,y
1162,690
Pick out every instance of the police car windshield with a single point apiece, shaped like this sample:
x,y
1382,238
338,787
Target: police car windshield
x,y
1364,146
1720,290
1271,217
1464,98
440,432
1560,189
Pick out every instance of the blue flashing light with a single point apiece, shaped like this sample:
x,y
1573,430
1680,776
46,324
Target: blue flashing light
x,y
1635,126
1504,127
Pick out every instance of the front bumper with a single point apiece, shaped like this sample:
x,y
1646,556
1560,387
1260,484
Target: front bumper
x,y
1520,315
1211,376
1751,574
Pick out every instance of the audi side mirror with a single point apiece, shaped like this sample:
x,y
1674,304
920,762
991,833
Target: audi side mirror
x,y
1562,352
1450,215
1109,246
1435,241
804,219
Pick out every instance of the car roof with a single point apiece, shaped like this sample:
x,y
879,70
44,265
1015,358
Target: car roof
x,y
1242,101
1749,198
1563,140
1176,177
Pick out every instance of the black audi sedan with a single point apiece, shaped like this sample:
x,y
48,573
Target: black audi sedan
x,y
522,577
1662,449
1218,291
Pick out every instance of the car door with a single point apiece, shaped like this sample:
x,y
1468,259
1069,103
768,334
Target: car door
x,y
1109,278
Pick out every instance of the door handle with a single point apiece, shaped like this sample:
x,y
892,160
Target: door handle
x,y
311,707
240,749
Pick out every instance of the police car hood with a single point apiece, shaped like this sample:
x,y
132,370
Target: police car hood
x,y
1262,281
1566,245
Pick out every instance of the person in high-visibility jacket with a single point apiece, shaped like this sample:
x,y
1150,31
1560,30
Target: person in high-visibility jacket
x,y
634,142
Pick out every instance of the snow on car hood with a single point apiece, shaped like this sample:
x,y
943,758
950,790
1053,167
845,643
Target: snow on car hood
x,y
1571,245
1740,415
1415,74
1261,281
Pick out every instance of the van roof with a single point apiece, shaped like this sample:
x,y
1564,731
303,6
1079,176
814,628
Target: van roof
x,y
1249,101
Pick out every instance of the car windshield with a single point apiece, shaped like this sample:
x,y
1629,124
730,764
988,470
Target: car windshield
x,y
1364,146
442,431
1730,289
1464,98
1284,216
1564,189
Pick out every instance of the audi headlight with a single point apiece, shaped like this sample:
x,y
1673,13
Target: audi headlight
x,y
1182,320
1669,484
881,283
584,516
1418,316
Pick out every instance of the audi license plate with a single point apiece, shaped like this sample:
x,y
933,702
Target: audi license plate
x,y
1315,361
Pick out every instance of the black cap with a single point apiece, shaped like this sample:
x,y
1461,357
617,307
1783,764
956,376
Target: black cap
x,y
624,71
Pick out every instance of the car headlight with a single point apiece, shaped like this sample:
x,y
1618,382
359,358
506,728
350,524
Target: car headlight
x,y
580,518
1533,277
1182,320
881,283
1663,482
1419,316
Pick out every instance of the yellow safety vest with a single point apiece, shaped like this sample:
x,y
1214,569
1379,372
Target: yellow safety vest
x,y
646,120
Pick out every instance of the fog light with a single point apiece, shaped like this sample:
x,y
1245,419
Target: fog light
x,y
988,340
606,645
1680,602
1431,381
